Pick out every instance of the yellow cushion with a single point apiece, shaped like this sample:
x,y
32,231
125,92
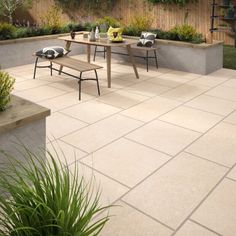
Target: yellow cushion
x,y
112,30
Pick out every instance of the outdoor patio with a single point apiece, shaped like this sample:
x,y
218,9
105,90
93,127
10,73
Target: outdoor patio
x,y
162,147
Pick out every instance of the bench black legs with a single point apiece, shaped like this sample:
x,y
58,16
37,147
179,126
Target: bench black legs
x,y
80,79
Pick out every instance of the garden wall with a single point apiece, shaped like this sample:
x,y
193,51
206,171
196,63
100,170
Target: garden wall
x,y
164,17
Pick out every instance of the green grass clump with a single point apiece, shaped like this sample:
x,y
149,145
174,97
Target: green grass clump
x,y
46,198
229,57
6,86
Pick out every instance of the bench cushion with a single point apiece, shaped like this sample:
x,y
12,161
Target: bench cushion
x,y
52,52
147,39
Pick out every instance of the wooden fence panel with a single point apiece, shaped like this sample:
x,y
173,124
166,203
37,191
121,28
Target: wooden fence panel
x,y
163,17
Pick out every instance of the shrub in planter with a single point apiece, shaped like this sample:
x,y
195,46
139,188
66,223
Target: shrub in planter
x,y
7,31
6,86
186,33
45,197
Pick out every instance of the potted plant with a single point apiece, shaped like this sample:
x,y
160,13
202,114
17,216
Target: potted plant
x,y
6,86
45,197
230,12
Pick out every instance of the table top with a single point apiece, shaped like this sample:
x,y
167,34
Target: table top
x,y
21,112
101,42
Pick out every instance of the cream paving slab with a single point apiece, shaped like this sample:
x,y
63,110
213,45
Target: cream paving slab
x,y
218,212
230,83
118,83
164,137
93,91
90,111
151,109
122,99
101,133
190,118
175,190
68,85
232,174
110,190
171,82
224,73
126,221
208,80
185,92
217,145
40,93
147,89
59,125
64,101
51,79
63,152
180,74
192,229
213,104
223,92
29,84
126,161
231,118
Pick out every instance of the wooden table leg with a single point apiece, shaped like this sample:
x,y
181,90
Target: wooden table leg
x,y
129,50
67,47
108,50
88,52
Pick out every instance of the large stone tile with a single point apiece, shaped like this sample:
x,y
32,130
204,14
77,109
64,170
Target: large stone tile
x,y
101,133
230,83
213,104
29,84
126,161
171,81
217,145
63,152
39,94
59,125
223,92
232,173
93,91
164,137
109,189
122,99
218,212
90,111
64,101
192,229
173,192
224,73
191,118
231,118
185,92
209,80
126,221
185,76
147,89
68,85
151,109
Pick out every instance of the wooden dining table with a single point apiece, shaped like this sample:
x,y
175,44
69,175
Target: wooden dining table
x,y
79,39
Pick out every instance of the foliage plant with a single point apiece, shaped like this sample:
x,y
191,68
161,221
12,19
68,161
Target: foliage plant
x,y
6,86
176,2
45,197
105,22
186,33
8,7
7,31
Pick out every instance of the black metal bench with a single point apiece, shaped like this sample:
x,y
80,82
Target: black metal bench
x,y
72,63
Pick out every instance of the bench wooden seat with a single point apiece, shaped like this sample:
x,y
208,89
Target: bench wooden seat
x,y
72,63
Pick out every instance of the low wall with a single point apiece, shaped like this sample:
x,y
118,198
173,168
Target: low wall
x,y
195,58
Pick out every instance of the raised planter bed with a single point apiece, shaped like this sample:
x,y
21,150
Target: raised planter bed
x,y
195,58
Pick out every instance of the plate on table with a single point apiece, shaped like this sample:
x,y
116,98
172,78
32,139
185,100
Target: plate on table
x,y
117,41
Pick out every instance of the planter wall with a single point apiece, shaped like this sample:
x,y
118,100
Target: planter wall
x,y
195,58
20,51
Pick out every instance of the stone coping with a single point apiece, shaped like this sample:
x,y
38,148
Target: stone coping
x,y
182,44
35,38
21,112
159,41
